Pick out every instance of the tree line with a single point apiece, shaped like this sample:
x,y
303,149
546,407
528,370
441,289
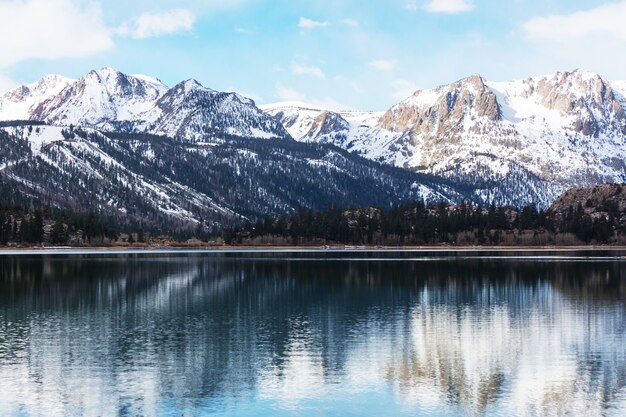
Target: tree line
x,y
412,223
416,223
24,225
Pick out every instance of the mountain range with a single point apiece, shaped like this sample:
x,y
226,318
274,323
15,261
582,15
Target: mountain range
x,y
536,137
130,145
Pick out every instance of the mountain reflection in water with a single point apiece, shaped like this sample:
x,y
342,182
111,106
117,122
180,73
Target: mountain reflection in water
x,y
229,335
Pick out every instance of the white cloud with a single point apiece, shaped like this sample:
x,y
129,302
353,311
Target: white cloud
x,y
150,25
449,6
603,20
383,65
350,22
50,29
305,23
307,70
403,89
284,93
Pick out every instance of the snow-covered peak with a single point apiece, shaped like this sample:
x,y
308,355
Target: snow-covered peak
x,y
20,102
193,112
297,117
51,84
118,83
582,74
102,98
148,78
108,99
190,85
47,85
422,98
580,101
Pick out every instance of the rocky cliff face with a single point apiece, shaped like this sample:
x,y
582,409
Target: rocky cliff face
x,y
596,201
586,101
443,111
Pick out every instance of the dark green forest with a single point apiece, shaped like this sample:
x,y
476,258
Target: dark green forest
x,y
413,223
418,224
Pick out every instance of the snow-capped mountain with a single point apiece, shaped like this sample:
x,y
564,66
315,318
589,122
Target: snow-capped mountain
x,y
191,112
112,101
310,123
104,99
21,102
515,142
535,137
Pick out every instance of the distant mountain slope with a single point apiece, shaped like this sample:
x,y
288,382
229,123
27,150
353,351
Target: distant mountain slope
x,y
175,184
555,132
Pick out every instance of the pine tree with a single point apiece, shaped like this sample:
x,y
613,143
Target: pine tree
x,y
58,234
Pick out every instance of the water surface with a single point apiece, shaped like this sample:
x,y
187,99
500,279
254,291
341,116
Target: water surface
x,y
313,334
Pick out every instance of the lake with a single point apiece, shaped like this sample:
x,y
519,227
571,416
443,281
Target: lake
x,y
313,334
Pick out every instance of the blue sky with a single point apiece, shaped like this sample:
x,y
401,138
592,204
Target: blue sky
x,y
363,55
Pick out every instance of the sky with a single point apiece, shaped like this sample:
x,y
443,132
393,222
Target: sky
x,y
341,54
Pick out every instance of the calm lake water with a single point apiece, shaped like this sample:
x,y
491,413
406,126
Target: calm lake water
x,y
309,334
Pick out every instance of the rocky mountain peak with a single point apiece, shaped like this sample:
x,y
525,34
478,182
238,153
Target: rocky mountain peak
x,y
46,86
444,109
330,126
51,82
18,94
189,86
586,97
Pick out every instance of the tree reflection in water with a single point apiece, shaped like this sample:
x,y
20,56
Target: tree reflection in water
x,y
136,335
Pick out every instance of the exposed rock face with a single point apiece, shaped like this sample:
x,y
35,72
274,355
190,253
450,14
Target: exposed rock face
x,y
596,201
330,127
587,97
443,111
21,93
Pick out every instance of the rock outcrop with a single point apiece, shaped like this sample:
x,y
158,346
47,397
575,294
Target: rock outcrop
x,y
601,200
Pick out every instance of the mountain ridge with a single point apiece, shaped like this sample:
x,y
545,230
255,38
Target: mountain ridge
x,y
565,130
110,100
511,143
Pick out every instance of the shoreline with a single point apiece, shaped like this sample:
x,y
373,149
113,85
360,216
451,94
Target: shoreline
x,y
209,249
